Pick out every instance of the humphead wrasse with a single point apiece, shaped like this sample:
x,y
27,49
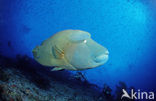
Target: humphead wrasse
x,y
71,50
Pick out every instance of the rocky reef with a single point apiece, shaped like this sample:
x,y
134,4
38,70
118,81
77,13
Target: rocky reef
x,y
22,79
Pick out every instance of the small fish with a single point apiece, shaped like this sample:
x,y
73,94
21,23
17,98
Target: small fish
x,y
71,50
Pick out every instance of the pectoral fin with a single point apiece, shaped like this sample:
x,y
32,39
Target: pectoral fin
x,y
57,52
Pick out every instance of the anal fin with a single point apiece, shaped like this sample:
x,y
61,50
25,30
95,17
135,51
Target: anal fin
x,y
56,69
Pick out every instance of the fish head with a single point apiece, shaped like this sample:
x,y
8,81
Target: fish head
x,y
84,53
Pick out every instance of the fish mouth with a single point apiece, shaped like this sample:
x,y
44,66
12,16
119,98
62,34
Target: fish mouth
x,y
102,58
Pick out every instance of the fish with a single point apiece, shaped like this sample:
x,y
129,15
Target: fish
x,y
71,50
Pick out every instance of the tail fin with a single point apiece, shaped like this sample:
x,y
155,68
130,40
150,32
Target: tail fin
x,y
35,52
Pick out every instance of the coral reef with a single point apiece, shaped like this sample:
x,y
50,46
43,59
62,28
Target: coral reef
x,y
22,79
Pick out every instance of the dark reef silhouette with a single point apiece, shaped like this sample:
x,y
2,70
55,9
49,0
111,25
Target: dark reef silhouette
x,y
24,71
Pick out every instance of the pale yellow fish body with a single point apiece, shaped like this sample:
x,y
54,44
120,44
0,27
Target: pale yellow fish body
x,y
71,50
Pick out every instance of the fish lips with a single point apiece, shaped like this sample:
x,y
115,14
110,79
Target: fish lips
x,y
102,58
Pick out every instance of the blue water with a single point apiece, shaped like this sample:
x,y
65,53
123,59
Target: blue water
x,y
125,27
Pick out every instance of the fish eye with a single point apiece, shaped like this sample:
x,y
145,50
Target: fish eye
x,y
81,41
85,41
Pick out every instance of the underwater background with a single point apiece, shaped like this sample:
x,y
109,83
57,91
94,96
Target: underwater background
x,y
127,28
